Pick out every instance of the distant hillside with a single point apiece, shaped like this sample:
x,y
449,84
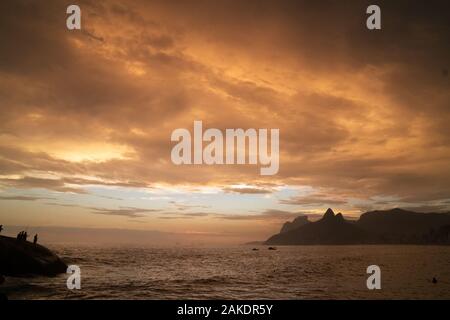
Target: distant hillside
x,y
394,226
298,222
402,226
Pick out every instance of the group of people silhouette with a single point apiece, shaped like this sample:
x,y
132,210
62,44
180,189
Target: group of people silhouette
x,y
23,235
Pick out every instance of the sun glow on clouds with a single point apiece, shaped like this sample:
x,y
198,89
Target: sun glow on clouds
x,y
92,152
363,118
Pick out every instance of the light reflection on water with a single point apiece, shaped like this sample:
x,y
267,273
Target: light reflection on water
x,y
301,272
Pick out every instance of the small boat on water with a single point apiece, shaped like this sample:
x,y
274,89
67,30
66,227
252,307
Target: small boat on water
x,y
272,248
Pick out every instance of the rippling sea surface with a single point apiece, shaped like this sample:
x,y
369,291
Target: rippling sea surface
x,y
296,272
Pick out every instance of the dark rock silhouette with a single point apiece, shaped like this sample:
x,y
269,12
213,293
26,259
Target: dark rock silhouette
x,y
22,258
329,215
402,226
394,226
339,216
3,296
331,229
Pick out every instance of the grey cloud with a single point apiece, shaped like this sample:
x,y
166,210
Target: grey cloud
x,y
24,198
32,182
124,211
248,190
313,200
270,214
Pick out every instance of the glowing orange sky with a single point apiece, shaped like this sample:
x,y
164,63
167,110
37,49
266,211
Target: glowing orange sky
x,y
87,115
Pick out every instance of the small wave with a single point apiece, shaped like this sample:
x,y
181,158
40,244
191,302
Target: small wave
x,y
212,280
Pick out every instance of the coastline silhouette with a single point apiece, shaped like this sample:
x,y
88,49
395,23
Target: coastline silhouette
x,y
396,226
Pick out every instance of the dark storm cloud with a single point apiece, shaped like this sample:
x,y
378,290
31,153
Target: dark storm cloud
x,y
361,112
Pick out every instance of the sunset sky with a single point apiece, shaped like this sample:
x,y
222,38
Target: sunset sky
x,y
87,115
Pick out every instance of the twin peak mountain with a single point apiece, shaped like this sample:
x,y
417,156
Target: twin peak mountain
x,y
396,226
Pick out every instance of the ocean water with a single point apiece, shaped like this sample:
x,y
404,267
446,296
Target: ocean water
x,y
291,272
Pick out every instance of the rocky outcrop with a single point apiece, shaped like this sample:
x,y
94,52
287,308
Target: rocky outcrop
x,y
23,258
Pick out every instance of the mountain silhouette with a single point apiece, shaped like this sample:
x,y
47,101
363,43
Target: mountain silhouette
x,y
399,222
331,229
297,222
396,226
